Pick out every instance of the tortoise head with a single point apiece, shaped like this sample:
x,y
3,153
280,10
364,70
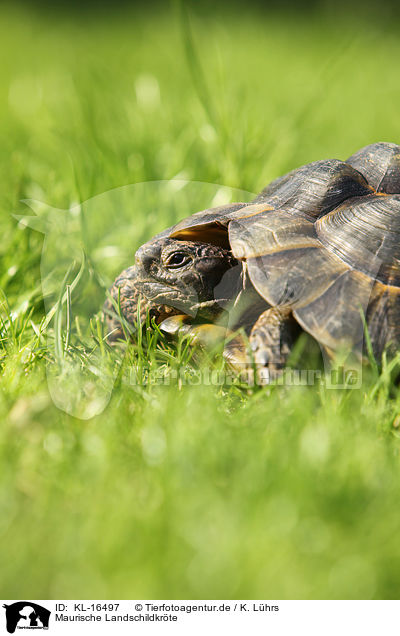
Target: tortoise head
x,y
182,275
173,276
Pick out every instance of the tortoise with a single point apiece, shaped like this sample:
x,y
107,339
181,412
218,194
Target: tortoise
x,y
318,250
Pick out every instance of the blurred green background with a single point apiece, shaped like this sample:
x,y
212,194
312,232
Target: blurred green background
x,y
184,491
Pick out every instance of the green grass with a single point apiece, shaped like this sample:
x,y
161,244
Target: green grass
x,y
177,491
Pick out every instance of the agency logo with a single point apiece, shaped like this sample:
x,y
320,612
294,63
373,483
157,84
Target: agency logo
x,y
26,615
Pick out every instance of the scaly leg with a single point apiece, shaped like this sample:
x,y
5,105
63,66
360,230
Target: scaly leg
x,y
272,339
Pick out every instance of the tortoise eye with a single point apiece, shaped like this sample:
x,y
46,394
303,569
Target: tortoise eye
x,y
177,259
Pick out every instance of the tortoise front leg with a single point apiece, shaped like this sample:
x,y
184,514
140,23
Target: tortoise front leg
x,y
272,339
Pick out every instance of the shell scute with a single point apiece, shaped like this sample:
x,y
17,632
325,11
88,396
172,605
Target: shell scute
x,y
379,163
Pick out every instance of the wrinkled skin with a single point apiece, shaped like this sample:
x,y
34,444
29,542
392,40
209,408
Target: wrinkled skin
x,y
172,277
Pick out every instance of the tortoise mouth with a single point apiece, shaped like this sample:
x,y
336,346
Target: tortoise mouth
x,y
141,306
160,312
162,299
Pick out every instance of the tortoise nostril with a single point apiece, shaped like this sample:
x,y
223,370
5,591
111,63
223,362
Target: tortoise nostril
x,y
146,255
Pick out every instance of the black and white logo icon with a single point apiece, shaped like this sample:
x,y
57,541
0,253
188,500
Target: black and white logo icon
x,y
26,615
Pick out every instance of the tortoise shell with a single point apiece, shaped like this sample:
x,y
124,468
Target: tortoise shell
x,y
324,241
